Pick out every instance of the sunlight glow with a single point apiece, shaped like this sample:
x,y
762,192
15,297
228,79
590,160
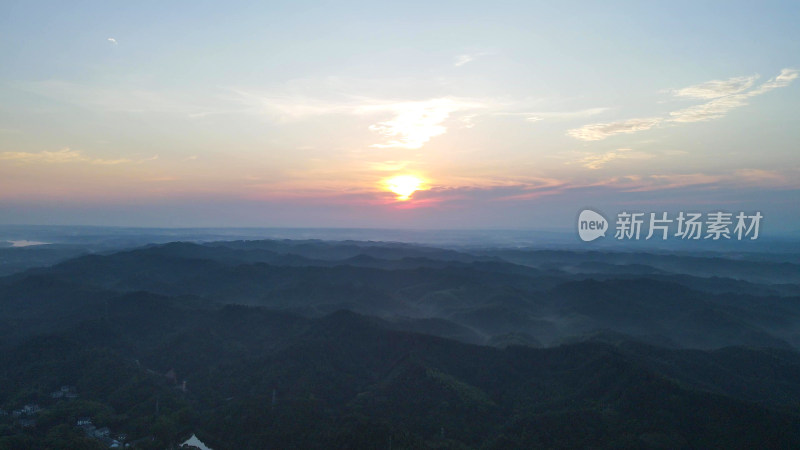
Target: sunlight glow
x,y
404,186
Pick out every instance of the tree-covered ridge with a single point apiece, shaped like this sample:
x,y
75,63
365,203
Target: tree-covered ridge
x,y
163,342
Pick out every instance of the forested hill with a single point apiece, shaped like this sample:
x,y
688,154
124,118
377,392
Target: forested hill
x,y
311,344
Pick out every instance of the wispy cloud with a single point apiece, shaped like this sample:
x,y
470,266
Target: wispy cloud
x,y
108,162
118,99
714,109
282,106
716,88
463,59
672,181
63,156
753,178
723,96
599,131
387,166
782,80
723,103
564,115
786,178
415,123
411,124
490,190
597,161
468,191
467,58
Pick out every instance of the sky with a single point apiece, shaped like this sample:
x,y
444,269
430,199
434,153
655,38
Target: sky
x,y
510,115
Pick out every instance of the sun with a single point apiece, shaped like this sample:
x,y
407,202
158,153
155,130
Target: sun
x,y
404,186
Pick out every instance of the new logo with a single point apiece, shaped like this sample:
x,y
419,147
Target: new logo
x,y
591,225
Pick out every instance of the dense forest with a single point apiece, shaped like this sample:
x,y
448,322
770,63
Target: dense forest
x,y
315,344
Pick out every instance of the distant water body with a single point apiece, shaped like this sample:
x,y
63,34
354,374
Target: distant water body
x,y
110,238
25,243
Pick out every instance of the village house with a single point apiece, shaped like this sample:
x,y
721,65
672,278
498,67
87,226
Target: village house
x,y
102,434
83,421
67,392
194,443
31,408
26,423
27,410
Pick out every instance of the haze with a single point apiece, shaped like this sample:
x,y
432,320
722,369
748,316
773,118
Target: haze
x,y
512,115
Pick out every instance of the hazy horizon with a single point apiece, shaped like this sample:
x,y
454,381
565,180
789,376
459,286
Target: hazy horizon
x,y
202,114
101,238
404,225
